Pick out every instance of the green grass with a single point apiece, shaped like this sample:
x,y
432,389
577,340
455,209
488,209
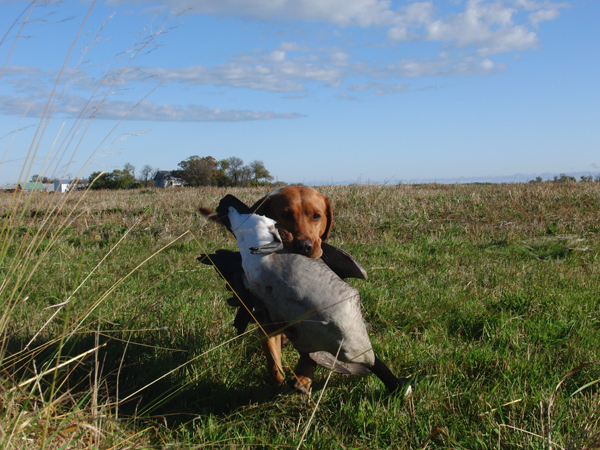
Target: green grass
x,y
488,294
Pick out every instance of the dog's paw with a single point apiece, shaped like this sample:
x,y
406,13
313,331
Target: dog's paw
x,y
300,383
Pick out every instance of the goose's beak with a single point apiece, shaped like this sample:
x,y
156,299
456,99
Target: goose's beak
x,y
267,249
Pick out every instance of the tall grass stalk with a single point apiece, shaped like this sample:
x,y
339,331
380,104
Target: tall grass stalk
x,y
33,227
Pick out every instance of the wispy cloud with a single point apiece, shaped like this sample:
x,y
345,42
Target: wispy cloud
x,y
379,88
189,113
277,71
71,106
465,40
264,70
340,12
346,96
444,65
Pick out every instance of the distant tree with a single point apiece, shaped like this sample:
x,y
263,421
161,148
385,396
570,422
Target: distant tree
x,y
147,174
129,168
117,179
260,174
586,179
221,177
207,171
537,180
234,170
563,178
245,176
122,179
99,180
196,171
597,179
40,179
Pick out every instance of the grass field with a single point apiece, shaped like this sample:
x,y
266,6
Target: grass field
x,y
114,336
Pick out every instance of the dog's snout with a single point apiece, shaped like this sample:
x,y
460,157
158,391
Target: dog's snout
x,y
303,246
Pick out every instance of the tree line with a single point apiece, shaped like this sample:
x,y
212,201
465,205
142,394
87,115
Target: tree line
x,y
207,171
563,178
123,178
193,171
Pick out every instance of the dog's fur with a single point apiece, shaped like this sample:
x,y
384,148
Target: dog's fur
x,y
303,217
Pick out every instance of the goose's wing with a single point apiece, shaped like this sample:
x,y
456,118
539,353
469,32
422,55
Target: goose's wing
x,y
342,263
327,360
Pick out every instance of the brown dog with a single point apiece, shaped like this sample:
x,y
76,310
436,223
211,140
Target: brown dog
x,y
303,217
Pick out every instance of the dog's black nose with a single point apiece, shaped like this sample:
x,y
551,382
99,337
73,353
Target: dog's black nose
x,y
303,247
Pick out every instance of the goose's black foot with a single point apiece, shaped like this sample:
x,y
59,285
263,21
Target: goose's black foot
x,y
392,382
406,385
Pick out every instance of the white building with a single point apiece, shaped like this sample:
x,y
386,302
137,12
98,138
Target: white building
x,y
165,179
63,185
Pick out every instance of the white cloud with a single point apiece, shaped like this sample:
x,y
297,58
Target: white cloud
x,y
465,39
22,70
71,106
487,27
362,13
346,96
268,71
380,88
189,113
532,5
441,67
331,67
543,15
409,21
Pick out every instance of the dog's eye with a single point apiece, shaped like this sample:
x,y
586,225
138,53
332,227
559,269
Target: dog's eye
x,y
287,215
316,216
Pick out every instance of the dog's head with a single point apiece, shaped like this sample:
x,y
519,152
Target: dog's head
x,y
303,218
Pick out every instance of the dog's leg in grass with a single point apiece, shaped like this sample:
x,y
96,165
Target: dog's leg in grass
x,y
303,374
272,350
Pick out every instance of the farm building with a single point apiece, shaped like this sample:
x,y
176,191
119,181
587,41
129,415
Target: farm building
x,y
63,185
165,179
37,186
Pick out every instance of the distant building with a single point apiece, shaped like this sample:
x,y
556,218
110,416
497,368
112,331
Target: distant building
x,y
63,185
35,186
165,179
81,184
12,187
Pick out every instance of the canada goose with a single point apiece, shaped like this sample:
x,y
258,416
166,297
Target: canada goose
x,y
318,311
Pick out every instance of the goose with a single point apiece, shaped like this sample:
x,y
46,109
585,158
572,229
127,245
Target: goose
x,y
317,310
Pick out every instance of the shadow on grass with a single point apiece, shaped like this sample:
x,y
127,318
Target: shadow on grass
x,y
150,380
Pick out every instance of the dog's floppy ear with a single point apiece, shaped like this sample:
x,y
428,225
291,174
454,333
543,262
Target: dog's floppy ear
x,y
329,214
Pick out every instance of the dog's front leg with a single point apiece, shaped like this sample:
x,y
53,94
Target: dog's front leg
x,y
272,350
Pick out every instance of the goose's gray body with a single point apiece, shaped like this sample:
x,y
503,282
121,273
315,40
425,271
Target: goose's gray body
x,y
317,310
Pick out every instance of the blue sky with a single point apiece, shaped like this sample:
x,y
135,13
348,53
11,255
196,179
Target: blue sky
x,y
322,91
